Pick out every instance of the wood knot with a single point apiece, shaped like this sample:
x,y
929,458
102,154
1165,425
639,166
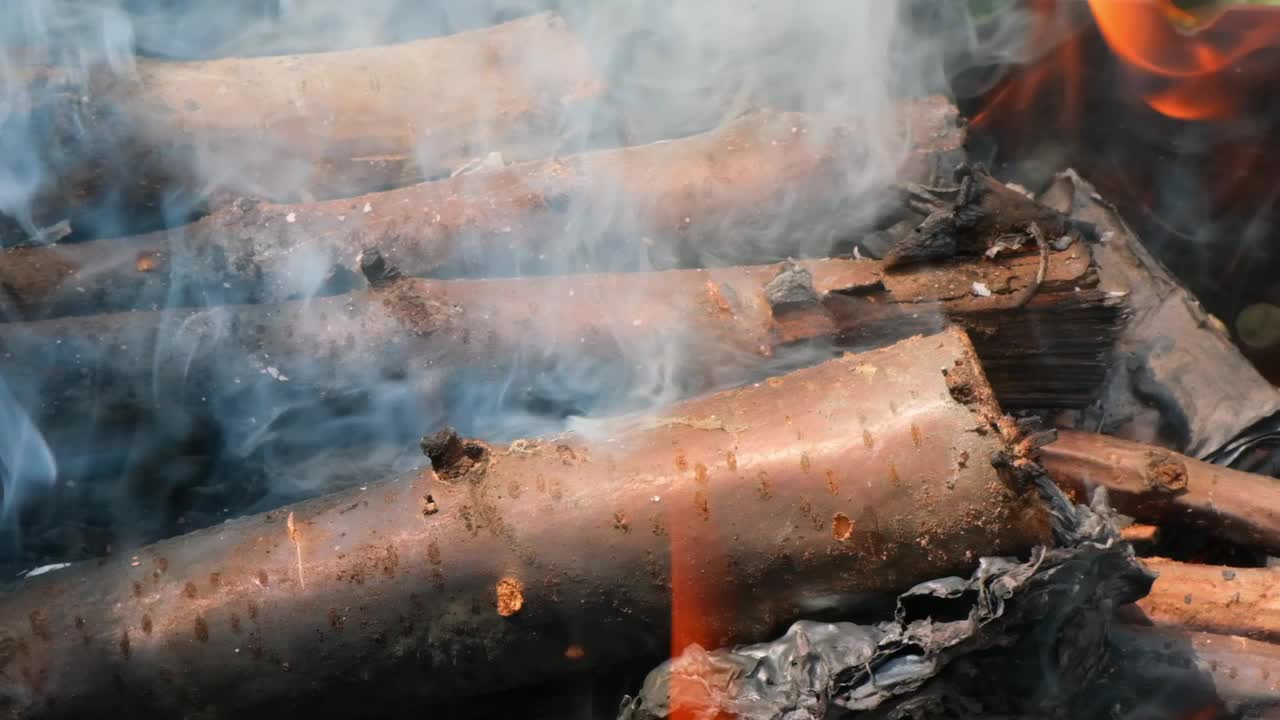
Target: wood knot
x,y
1165,474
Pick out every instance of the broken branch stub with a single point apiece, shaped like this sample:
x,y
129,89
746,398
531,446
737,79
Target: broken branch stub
x,y
758,189
330,124
786,498
1162,487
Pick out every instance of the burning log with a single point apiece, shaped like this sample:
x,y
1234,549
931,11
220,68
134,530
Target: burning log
x,y
317,125
760,189
1159,486
1216,599
738,511
1179,381
1228,673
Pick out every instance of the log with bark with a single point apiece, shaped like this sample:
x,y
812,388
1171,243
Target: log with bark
x,y
1159,486
318,125
736,512
234,405
1213,598
761,188
712,327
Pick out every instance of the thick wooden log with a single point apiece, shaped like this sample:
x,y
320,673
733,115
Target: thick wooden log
x,y
1216,599
1162,487
146,405
737,512
318,125
717,327
759,189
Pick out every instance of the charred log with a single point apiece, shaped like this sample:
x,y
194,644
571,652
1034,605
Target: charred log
x,y
351,600
1178,380
760,189
317,125
1162,487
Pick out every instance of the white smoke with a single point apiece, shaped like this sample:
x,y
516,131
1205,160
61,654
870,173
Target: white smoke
x,y
671,69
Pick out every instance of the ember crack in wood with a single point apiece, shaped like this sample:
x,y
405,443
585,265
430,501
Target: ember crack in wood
x,y
759,189
1160,486
317,125
546,546
1214,598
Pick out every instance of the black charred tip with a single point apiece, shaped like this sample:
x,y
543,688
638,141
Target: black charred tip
x,y
375,268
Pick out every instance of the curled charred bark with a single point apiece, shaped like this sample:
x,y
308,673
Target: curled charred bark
x,y
979,215
760,189
1178,379
703,523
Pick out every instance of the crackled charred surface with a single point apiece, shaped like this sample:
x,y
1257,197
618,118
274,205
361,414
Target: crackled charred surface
x,y
1216,599
320,125
759,189
1162,487
862,475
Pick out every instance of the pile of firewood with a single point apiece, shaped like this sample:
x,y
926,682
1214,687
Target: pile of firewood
x,y
840,430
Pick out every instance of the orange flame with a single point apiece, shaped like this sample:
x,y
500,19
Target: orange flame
x,y
695,600
1061,69
1188,58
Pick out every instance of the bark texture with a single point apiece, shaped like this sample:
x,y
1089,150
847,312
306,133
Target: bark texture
x,y
759,189
1159,486
736,512
305,126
